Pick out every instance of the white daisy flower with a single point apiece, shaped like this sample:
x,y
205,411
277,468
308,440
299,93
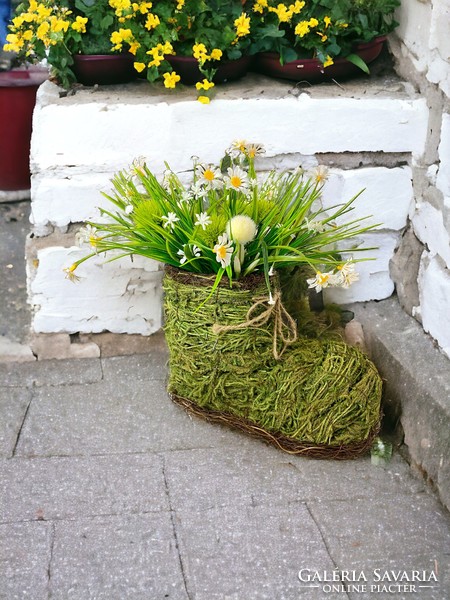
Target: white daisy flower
x,y
237,179
209,176
237,148
253,150
316,226
321,281
346,274
137,166
223,250
320,174
203,220
86,235
70,273
170,220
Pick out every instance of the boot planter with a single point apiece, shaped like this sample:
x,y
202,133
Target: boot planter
x,y
234,359
236,354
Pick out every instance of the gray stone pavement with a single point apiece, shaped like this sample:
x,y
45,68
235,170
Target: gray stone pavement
x,y
14,311
110,491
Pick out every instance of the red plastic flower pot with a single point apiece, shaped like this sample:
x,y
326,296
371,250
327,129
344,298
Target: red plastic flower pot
x,y
103,69
227,70
18,89
312,70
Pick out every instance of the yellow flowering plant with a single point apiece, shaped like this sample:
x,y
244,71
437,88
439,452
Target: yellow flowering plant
x,y
56,31
228,220
208,31
322,29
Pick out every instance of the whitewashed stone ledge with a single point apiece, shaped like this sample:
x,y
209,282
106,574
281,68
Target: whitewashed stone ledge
x,y
443,176
80,141
434,290
106,128
387,197
374,280
119,296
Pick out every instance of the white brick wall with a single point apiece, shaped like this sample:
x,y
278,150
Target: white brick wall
x,y
63,197
424,29
434,287
106,136
429,227
374,281
425,35
119,296
443,176
387,195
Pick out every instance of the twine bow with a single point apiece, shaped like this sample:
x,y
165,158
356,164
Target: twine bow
x,y
284,329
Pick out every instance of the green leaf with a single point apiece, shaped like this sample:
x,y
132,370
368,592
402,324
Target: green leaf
x,y
107,21
358,62
288,55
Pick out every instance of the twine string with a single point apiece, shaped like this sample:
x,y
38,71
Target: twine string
x,y
284,328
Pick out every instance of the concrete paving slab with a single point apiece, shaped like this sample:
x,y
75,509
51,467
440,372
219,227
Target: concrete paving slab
x,y
50,372
140,367
13,406
250,552
11,351
15,312
24,561
69,488
381,583
259,474
405,527
123,344
119,415
116,558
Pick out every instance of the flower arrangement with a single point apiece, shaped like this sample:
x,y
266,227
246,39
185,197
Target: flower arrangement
x,y
228,221
322,29
209,32
237,356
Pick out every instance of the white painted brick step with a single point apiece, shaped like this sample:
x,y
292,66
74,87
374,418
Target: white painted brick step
x,y
80,141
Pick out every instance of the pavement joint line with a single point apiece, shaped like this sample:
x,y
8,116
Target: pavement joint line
x,y
50,559
22,424
174,529
325,543
56,520
106,454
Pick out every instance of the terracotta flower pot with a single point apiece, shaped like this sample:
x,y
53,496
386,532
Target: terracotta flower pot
x,y
312,70
228,70
103,69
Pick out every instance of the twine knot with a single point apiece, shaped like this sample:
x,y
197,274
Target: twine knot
x,y
284,328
